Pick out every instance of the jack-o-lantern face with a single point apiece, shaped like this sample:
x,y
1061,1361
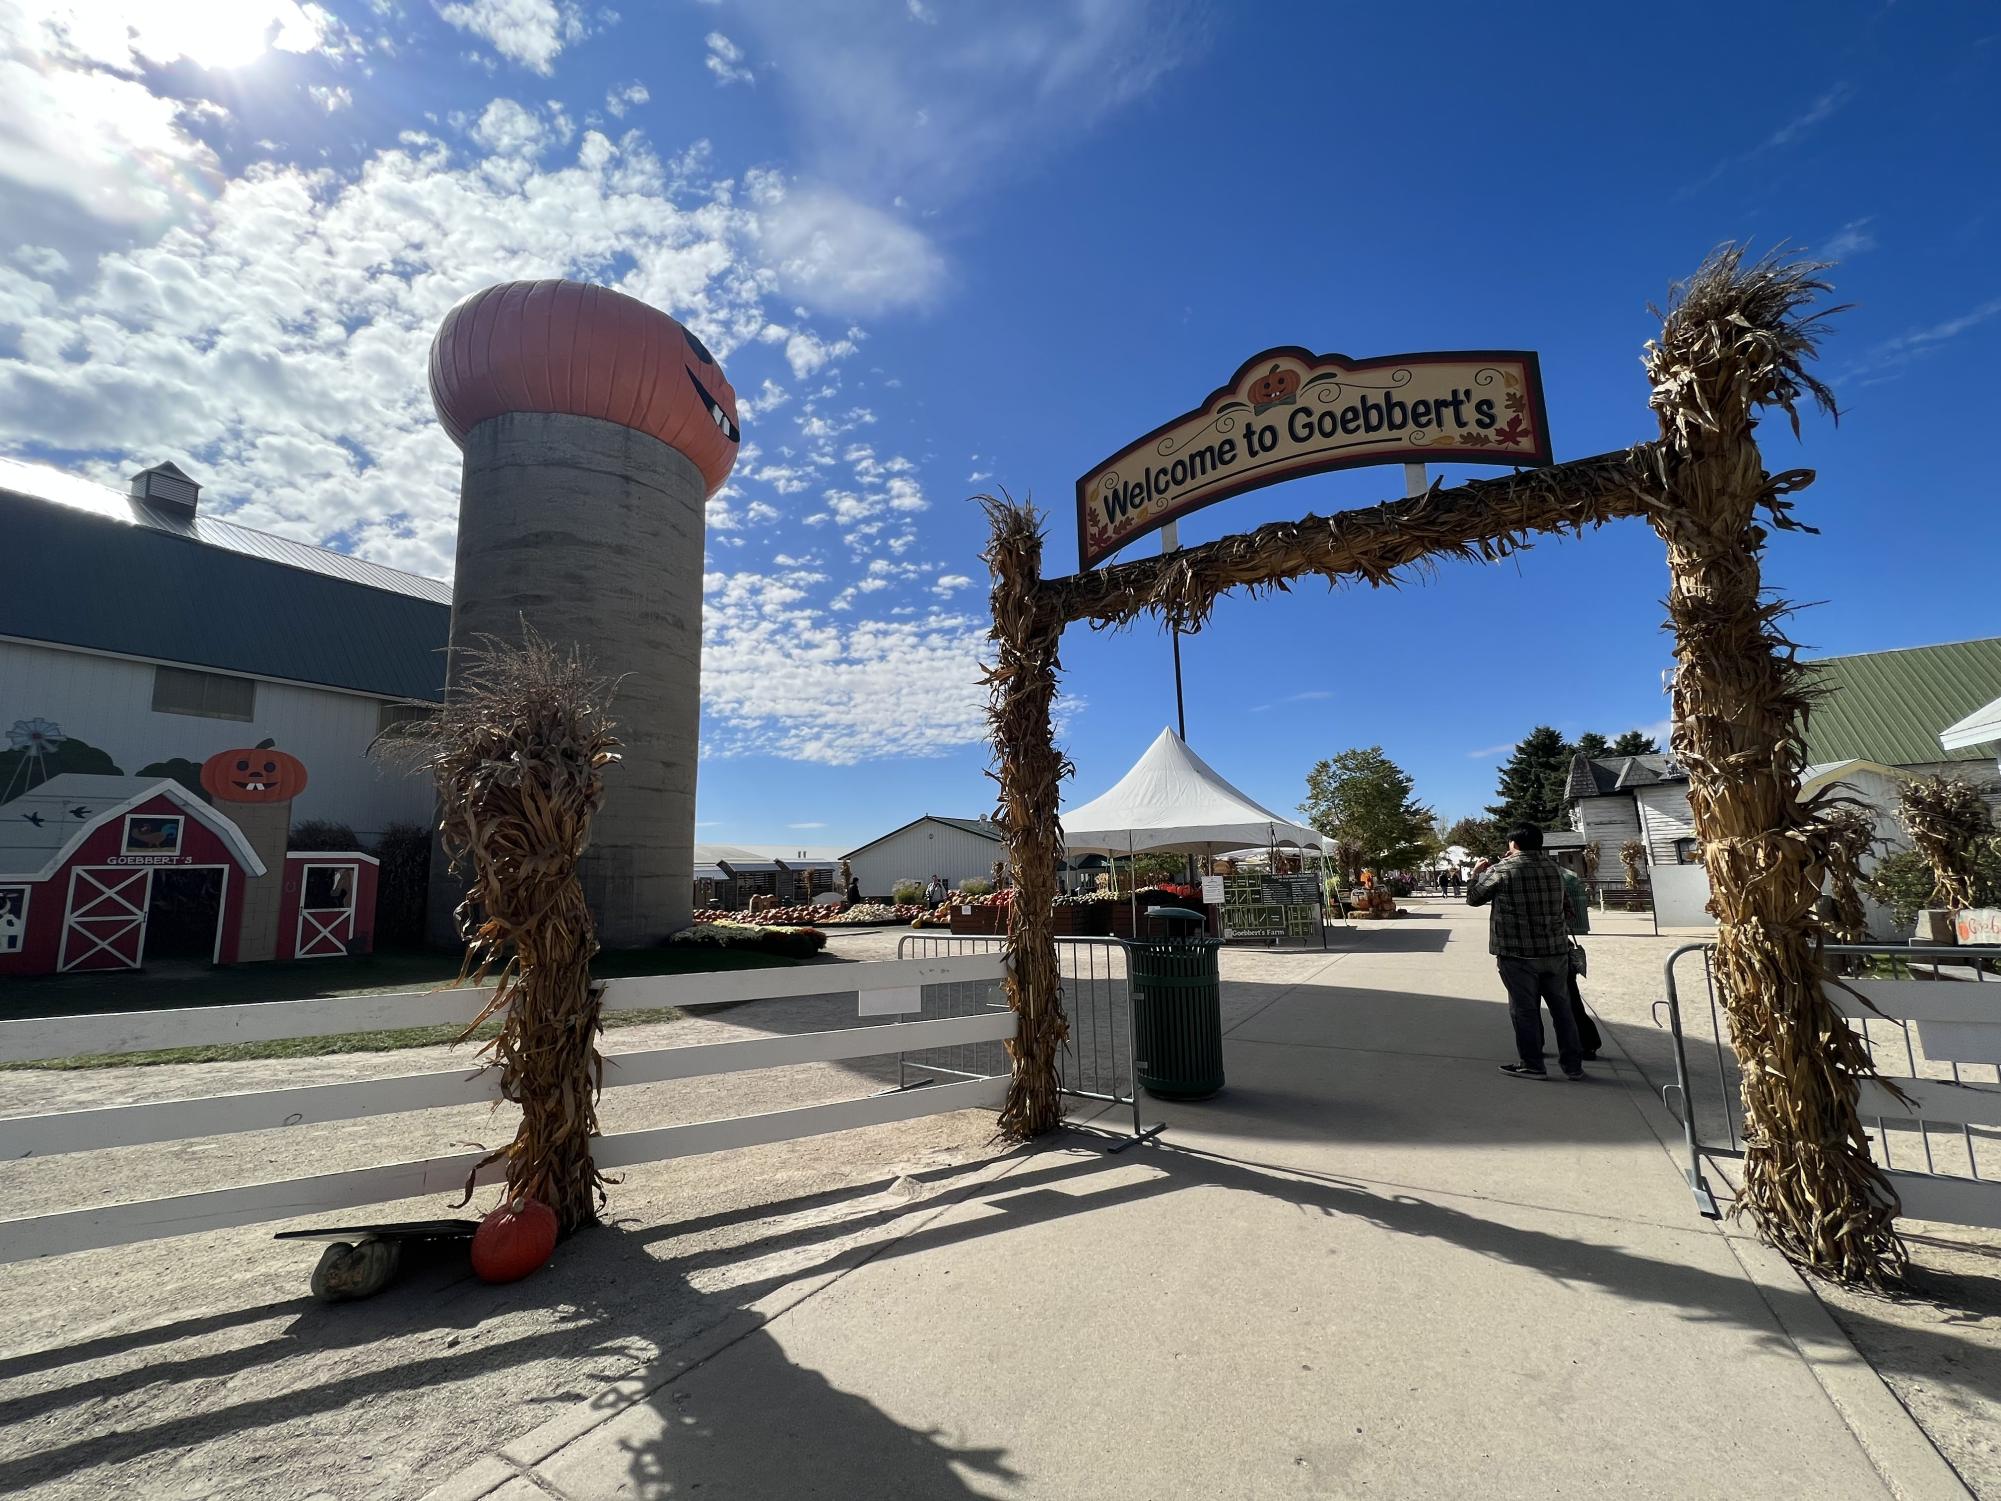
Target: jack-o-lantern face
x,y
1274,387
718,400
258,775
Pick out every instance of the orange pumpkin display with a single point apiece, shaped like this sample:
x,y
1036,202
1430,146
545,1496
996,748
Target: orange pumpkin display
x,y
258,775
513,1240
1275,386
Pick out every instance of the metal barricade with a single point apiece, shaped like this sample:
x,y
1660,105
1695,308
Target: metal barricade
x,y
1097,1059
1933,1118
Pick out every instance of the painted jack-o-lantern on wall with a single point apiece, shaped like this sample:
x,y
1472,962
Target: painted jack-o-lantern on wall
x,y
258,775
1275,387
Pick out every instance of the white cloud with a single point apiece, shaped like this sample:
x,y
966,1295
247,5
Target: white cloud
x,y
331,98
622,97
1888,359
839,253
814,823
277,350
532,33
507,128
274,345
806,352
928,111
1815,114
1488,752
1851,239
780,676
725,60
89,154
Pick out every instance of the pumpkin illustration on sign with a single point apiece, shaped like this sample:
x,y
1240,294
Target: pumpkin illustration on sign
x,y
261,774
1275,388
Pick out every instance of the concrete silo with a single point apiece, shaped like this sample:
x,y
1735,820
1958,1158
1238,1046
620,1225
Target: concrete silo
x,y
594,429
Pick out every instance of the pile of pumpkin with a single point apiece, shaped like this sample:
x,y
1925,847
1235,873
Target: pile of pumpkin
x,y
770,917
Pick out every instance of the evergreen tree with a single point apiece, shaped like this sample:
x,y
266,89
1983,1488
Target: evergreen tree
x,y
1533,781
1593,744
1634,743
1362,798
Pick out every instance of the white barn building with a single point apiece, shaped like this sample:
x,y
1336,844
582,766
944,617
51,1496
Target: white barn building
x,y
958,849
139,637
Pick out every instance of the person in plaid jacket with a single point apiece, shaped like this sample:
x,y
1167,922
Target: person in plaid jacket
x,y
1528,933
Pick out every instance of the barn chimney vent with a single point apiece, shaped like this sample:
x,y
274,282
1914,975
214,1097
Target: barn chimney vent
x,y
165,488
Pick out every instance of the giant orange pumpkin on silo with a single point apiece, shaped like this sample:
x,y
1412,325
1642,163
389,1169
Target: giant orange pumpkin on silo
x,y
561,346
593,430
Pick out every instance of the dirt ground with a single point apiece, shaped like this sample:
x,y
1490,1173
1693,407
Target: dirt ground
x,y
198,1367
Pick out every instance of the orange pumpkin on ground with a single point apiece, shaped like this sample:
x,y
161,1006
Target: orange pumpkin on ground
x,y
257,775
1276,385
513,1240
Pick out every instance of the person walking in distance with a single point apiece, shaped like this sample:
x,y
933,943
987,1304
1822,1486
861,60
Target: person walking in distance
x,y
1528,935
1578,913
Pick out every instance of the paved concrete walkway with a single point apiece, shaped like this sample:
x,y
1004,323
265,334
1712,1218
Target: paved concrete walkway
x,y
1373,1266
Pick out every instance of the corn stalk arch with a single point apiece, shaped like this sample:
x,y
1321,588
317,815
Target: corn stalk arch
x,y
1736,340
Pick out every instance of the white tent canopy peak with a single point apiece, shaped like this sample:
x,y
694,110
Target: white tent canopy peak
x,y
1174,800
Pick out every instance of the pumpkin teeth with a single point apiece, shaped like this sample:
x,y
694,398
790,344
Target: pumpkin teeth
x,y
721,418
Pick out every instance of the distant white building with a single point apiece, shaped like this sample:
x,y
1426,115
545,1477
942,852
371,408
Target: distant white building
x,y
1614,799
957,849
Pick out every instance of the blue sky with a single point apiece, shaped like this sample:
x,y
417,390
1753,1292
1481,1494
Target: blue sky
x,y
944,247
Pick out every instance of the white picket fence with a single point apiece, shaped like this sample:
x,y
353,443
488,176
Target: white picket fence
x,y
885,987
1957,1023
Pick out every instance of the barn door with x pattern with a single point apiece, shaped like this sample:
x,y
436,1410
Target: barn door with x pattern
x,y
104,926
326,911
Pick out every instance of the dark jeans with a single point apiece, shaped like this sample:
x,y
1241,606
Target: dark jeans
x,y
1532,983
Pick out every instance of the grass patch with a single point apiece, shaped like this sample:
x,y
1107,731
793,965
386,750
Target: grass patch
x,y
384,974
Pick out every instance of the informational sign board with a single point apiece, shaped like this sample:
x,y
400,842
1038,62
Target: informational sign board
x,y
1212,891
1292,891
1288,412
1681,896
1978,925
1254,920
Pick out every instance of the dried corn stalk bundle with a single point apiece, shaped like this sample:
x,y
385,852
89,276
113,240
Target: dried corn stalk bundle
x,y
1021,686
1847,836
519,750
1736,340
1633,856
1481,520
1950,826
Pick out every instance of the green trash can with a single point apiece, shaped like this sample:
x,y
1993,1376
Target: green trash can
x,y
1177,1007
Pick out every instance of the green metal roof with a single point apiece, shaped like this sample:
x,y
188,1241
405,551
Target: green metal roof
x,y
1889,706
85,566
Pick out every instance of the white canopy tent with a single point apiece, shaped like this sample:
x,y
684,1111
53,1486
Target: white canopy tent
x,y
1173,800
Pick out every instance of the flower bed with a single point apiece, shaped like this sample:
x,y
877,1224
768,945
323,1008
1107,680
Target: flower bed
x,y
762,938
861,914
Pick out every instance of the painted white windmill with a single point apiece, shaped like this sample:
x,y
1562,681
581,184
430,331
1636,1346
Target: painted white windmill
x,y
37,739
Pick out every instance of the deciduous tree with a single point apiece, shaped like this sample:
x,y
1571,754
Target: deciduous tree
x,y
1363,798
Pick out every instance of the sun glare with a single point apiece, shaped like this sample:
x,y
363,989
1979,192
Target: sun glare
x,y
225,33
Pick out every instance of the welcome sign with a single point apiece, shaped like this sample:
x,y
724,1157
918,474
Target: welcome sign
x,y
1287,413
